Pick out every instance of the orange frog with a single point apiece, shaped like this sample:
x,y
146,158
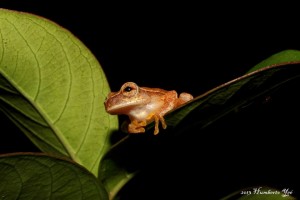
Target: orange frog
x,y
143,105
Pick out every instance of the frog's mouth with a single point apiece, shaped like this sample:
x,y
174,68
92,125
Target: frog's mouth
x,y
124,107
120,109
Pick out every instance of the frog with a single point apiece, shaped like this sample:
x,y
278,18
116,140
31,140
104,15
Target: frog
x,y
144,105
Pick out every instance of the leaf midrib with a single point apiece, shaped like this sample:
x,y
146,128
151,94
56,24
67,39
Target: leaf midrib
x,y
56,132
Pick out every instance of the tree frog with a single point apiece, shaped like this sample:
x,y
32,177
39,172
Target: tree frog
x,y
143,105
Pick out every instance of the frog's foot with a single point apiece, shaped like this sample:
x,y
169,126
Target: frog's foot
x,y
163,122
137,127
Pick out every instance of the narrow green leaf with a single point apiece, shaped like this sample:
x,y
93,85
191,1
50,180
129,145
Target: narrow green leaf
x,y
256,78
38,176
239,92
283,57
201,112
53,88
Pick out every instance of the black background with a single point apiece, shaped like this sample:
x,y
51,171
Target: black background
x,y
191,47
182,46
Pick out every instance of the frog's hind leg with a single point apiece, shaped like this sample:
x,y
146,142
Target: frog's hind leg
x,y
183,98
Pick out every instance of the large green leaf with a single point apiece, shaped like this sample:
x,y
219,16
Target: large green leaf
x,y
28,176
53,88
117,168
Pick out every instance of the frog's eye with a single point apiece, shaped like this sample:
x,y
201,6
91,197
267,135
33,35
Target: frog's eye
x,y
129,89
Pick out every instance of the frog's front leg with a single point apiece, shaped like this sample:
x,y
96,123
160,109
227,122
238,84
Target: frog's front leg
x,y
162,121
136,126
157,119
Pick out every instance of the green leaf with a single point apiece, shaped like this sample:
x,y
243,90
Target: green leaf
x,y
29,176
204,110
53,88
261,193
283,57
120,165
259,81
